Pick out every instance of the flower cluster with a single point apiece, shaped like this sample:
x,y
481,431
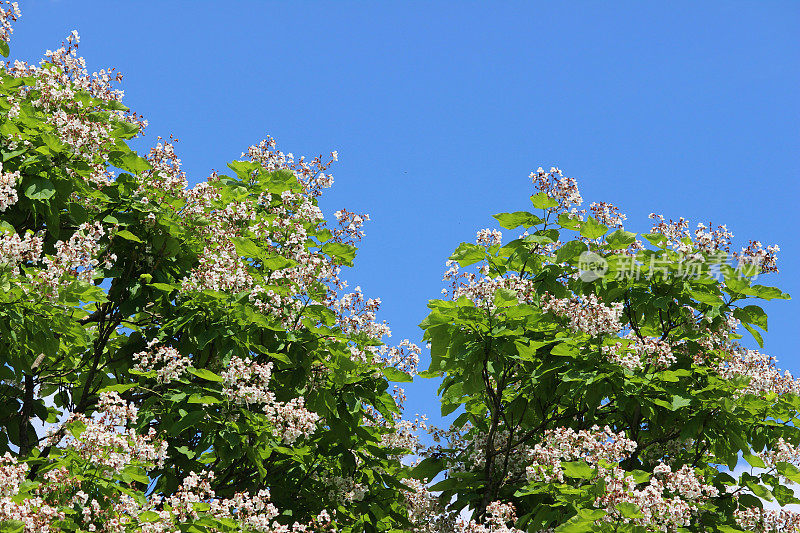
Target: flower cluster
x,y
9,13
480,288
767,520
166,361
781,452
755,254
15,249
247,383
761,370
634,352
489,237
669,499
607,214
108,442
562,189
566,444
8,190
586,313
498,516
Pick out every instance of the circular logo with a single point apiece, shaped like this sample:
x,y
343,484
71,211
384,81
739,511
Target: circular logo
x,y
591,266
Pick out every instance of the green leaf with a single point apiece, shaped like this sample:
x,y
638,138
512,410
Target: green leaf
x,y
131,162
592,229
542,201
756,335
119,387
754,460
516,219
620,239
578,469
629,510
343,252
679,401
393,374
39,188
127,235
752,314
767,293
569,250
788,470
428,468
202,399
467,254
246,247
4,51
165,287
204,373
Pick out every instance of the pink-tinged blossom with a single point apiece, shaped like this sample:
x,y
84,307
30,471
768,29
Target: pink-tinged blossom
x,y
634,353
564,190
586,313
669,500
489,237
8,189
480,288
756,255
247,383
566,444
9,13
767,520
108,442
168,364
15,249
498,516
761,370
607,214
781,452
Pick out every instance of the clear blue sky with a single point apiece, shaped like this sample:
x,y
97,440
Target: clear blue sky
x,y
439,110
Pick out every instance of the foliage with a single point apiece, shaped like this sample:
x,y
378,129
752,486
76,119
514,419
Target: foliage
x,y
599,382
190,350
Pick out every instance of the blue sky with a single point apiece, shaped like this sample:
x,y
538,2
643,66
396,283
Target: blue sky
x,y
439,110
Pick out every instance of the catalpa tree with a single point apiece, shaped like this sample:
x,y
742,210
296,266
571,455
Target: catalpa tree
x,y
180,358
599,380
188,358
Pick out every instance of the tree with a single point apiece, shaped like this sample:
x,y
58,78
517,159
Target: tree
x,y
190,350
599,381
178,358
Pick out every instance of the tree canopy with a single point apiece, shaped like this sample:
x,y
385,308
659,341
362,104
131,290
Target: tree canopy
x,y
188,358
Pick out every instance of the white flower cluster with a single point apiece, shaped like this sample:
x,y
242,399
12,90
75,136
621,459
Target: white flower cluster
x,y
633,352
108,441
781,451
480,288
15,249
8,190
498,516
562,189
668,500
586,313
755,254
566,444
761,369
77,257
247,383
61,75
165,360
9,13
489,237
607,214
767,520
